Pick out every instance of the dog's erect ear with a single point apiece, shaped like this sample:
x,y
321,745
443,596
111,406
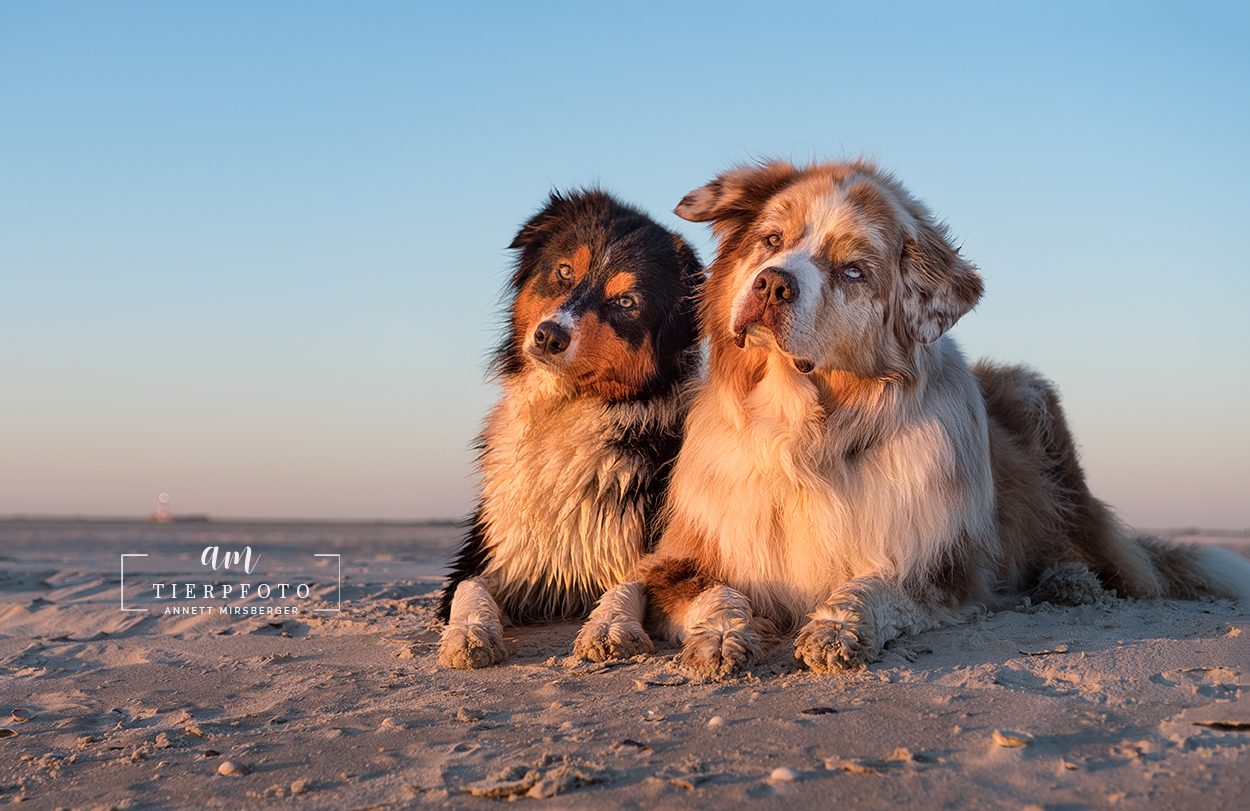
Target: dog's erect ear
x,y
739,191
938,286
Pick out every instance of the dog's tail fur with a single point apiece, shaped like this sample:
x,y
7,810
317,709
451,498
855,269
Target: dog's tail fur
x,y
1025,407
1191,570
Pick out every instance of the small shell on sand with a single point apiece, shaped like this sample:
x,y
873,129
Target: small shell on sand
x,y
233,768
1010,738
5,732
783,774
651,715
21,716
716,721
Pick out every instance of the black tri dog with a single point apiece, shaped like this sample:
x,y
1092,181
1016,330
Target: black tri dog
x,y
574,458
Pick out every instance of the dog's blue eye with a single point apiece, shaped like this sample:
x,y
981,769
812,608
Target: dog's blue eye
x,y
852,273
565,271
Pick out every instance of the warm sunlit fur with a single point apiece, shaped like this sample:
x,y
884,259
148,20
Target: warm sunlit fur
x,y
576,453
845,471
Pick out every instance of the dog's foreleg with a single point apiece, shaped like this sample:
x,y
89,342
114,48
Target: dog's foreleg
x,y
614,629
474,634
850,630
718,640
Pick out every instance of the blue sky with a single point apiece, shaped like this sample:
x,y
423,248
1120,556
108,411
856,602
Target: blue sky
x,y
251,253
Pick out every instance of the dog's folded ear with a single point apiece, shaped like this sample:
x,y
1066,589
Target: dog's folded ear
x,y
542,222
938,286
740,191
530,239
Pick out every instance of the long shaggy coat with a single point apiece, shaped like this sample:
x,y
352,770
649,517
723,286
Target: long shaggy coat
x,y
845,471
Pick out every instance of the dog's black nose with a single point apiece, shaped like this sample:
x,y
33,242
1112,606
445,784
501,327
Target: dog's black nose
x,y
776,286
551,339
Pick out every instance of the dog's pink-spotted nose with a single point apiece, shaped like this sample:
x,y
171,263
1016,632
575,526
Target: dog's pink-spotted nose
x,y
774,286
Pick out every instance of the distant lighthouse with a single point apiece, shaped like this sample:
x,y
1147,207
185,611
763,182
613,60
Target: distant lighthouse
x,y
162,509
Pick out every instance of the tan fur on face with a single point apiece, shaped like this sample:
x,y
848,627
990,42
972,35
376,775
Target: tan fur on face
x,y
606,366
531,309
580,262
619,285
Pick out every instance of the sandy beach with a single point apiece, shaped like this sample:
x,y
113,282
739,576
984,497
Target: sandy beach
x,y
342,705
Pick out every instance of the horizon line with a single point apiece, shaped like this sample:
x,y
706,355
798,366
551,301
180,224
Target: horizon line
x,y
204,518
201,518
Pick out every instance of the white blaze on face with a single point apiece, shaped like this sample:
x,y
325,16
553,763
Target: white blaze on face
x,y
826,215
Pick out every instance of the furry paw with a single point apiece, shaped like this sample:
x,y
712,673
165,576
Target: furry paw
x,y
720,653
470,646
1069,584
831,646
611,639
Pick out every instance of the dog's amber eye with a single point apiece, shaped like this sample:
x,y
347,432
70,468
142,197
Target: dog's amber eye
x,y
852,273
626,302
565,272
773,240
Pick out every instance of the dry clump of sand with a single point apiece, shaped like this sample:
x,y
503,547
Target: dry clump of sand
x,y
1124,704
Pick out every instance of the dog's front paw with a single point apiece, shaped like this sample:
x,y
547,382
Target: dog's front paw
x,y
831,646
720,653
611,639
470,646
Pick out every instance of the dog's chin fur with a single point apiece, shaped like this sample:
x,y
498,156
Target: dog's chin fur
x,y
891,487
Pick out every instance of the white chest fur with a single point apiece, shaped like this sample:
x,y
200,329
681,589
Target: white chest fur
x,y
564,521
798,503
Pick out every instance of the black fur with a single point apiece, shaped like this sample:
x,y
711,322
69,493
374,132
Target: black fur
x,y
658,446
